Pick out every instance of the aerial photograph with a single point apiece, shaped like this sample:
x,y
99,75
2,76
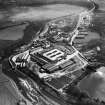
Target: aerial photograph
x,y
52,52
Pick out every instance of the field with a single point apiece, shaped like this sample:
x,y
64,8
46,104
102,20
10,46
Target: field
x,y
94,84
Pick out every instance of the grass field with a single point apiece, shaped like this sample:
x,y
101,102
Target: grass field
x,y
9,35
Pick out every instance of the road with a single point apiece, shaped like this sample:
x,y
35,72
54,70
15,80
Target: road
x,y
23,18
